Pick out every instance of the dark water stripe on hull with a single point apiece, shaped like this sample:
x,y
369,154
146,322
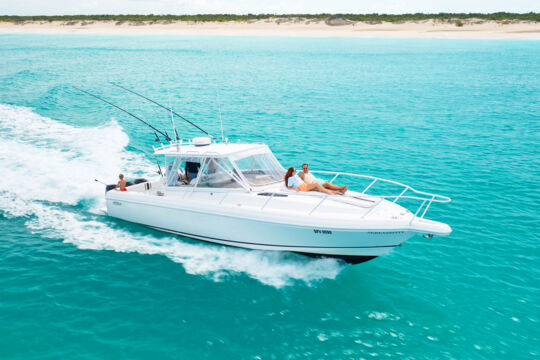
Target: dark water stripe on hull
x,y
209,239
350,259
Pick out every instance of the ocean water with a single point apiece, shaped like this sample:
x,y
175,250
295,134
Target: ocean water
x,y
455,117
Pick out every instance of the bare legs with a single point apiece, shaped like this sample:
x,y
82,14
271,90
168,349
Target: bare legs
x,y
341,189
318,187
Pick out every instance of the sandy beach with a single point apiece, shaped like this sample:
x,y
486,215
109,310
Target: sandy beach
x,y
436,29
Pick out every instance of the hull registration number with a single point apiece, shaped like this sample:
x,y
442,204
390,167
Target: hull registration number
x,y
324,232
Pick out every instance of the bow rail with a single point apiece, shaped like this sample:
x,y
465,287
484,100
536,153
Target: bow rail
x,y
425,197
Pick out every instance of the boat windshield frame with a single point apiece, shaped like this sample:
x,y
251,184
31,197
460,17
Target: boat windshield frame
x,y
210,166
264,168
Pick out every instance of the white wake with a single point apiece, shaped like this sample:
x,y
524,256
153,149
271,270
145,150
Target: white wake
x,y
49,166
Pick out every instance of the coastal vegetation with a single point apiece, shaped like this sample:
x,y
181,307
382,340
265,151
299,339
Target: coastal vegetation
x,y
372,18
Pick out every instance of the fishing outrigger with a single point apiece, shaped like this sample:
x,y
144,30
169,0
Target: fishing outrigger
x,y
234,194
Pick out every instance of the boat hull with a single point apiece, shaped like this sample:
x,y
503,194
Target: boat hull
x,y
350,244
321,253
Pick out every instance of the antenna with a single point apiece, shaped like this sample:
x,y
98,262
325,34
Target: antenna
x,y
173,125
220,120
172,118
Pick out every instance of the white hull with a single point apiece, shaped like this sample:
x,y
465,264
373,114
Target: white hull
x,y
335,230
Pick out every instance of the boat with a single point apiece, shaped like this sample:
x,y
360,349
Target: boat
x,y
233,194
238,198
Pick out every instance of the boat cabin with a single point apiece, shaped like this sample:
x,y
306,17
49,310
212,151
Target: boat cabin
x,y
204,164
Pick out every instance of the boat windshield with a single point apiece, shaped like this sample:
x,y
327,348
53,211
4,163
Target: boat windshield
x,y
217,173
261,169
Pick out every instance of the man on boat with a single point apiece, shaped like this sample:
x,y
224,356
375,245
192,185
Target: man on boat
x,y
121,184
309,178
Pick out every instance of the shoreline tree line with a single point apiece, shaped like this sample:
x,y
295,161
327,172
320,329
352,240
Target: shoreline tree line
x,y
498,16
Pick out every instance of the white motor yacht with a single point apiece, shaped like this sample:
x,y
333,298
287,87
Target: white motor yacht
x,y
234,194
237,197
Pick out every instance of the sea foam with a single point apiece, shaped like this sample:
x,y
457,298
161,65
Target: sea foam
x,y
49,167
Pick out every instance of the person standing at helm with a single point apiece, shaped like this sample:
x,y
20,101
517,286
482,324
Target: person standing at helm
x,y
192,169
309,178
121,184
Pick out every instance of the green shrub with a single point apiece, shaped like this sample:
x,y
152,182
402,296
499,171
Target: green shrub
x,y
500,16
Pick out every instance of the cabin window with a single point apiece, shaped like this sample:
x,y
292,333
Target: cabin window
x,y
218,173
181,171
261,169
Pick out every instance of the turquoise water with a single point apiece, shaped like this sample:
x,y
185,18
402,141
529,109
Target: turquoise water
x,y
455,117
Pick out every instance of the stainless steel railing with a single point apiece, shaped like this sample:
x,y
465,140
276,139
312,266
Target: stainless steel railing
x,y
426,198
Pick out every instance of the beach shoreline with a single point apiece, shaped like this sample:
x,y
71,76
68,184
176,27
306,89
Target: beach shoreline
x,y
430,29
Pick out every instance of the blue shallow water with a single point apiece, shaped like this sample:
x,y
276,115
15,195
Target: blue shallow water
x,y
455,117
